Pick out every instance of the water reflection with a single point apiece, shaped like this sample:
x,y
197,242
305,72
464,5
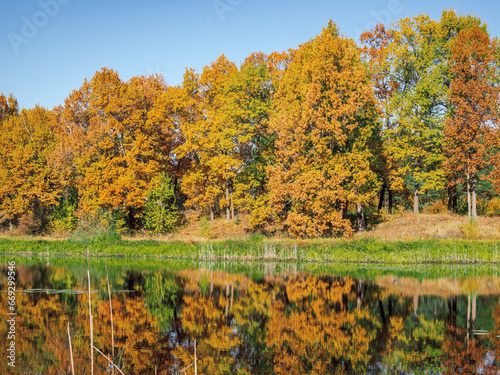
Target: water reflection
x,y
273,323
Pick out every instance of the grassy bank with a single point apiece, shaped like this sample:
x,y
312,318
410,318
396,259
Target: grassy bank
x,y
452,251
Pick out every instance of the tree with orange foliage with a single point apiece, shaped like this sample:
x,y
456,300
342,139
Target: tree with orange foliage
x,y
376,49
8,107
116,152
30,182
475,101
314,332
325,127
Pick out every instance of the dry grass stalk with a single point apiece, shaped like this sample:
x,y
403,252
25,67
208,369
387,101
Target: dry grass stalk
x,y
109,360
71,353
111,315
91,329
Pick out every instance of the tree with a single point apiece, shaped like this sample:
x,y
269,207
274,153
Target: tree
x,y
209,139
417,105
30,181
8,107
474,96
325,127
248,94
160,211
376,48
115,151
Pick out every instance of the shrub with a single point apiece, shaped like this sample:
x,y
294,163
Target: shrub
x,y
437,207
470,230
103,226
64,217
206,227
492,208
160,211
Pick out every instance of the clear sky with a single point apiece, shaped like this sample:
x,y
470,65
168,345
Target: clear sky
x,y
48,47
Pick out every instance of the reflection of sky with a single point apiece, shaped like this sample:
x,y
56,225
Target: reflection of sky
x,y
61,42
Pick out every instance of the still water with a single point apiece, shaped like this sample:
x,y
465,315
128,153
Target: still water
x,y
253,318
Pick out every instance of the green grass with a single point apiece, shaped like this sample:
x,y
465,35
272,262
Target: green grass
x,y
338,251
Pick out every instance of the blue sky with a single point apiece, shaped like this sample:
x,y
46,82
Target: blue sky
x,y
48,47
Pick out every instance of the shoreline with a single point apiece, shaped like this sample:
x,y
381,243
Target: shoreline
x,y
372,251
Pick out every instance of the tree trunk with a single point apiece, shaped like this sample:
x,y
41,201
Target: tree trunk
x,y
468,196
228,212
211,214
450,201
415,199
232,206
360,294
415,310
468,316
474,186
382,313
473,312
344,210
382,196
232,298
390,201
130,220
361,217
227,299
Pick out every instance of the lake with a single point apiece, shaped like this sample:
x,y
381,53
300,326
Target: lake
x,y
251,318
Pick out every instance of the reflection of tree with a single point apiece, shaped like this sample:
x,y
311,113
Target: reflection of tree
x,y
42,343
135,333
41,339
470,354
251,315
495,336
413,347
461,356
162,293
204,320
312,331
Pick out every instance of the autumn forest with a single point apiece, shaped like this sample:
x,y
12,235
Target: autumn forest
x,y
314,141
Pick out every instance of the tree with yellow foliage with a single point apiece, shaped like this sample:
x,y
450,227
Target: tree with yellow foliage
x,y
313,331
325,127
30,182
209,139
116,152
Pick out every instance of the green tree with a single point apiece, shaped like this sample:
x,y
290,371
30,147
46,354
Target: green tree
x,y
418,105
248,95
160,211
